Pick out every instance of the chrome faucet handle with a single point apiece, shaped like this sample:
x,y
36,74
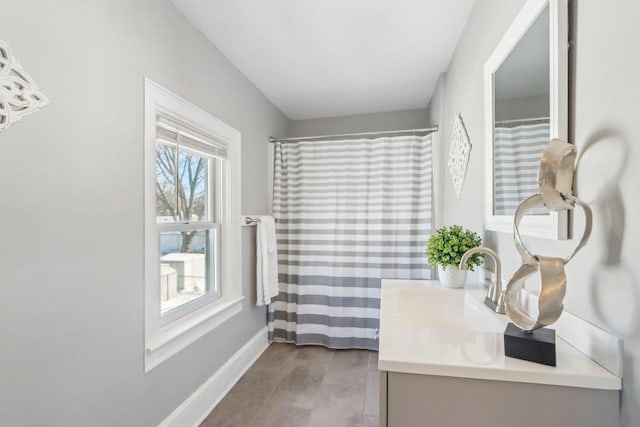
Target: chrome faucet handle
x,y
495,296
500,307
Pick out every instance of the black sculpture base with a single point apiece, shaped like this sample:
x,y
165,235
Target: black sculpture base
x,y
538,346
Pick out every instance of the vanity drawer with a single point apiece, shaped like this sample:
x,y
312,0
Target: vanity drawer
x,y
430,400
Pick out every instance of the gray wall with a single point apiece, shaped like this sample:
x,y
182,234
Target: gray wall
x,y
435,116
377,122
435,112
71,257
606,96
522,108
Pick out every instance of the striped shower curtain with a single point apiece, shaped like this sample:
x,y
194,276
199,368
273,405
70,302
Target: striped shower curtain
x,y
517,157
349,213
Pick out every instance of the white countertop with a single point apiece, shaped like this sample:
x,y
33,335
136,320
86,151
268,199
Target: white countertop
x,y
427,329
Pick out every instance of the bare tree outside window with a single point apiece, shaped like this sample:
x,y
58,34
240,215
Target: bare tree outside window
x,y
181,188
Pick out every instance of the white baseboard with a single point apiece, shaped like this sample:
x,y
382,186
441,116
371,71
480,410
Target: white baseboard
x,y
197,406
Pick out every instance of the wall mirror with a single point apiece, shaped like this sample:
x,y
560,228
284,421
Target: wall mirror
x,y
525,105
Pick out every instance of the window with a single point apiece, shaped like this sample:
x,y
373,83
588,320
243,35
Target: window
x,y
192,211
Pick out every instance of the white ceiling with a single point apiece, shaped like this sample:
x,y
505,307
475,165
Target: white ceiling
x,y
325,58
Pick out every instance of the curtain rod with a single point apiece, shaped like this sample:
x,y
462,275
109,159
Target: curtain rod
x,y
532,119
343,135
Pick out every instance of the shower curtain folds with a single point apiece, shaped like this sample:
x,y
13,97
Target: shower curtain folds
x,y
517,152
349,213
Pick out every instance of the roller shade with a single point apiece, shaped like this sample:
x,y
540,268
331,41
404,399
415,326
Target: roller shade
x,y
173,132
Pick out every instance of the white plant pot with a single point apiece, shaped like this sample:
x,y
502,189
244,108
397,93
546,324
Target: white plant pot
x,y
452,277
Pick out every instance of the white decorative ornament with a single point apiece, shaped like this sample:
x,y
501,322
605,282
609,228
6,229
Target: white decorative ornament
x,y
459,154
19,94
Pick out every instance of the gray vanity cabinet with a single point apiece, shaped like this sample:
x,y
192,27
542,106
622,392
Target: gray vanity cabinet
x,y
413,400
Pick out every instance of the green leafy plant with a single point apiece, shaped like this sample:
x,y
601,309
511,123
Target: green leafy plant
x,y
448,244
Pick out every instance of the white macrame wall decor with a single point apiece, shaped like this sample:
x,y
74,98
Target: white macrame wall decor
x,y
459,154
19,94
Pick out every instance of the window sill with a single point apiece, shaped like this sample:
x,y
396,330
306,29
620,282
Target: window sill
x,y
184,332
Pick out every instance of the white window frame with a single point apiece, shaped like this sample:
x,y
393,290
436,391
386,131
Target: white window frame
x,y
169,334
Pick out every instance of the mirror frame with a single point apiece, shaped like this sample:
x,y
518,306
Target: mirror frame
x,y
555,225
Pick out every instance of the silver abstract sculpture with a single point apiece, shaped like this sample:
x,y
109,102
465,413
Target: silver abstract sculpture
x,y
19,93
555,181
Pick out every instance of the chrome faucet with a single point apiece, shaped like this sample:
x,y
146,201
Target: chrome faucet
x,y
495,297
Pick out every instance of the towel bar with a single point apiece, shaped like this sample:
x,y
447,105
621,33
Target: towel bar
x,y
250,220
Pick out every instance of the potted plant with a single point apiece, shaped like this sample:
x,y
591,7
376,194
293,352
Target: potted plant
x,y
445,249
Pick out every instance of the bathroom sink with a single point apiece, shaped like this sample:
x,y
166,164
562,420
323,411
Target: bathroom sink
x,y
446,311
430,330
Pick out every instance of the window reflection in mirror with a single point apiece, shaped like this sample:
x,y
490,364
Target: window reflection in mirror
x,y
521,127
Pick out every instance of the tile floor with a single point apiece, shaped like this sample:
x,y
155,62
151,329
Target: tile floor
x,y
309,386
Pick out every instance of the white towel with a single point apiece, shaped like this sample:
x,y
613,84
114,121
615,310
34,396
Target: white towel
x,y
266,261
